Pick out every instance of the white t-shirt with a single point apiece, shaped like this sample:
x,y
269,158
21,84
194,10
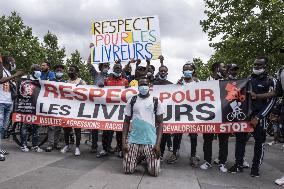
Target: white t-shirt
x,y
143,130
5,91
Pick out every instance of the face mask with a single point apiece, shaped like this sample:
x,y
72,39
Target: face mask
x,y
105,71
128,73
162,77
37,74
258,72
143,90
149,74
187,73
116,74
58,74
13,67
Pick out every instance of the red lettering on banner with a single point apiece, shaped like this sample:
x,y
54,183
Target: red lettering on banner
x,y
111,94
83,96
49,88
93,94
196,96
164,96
207,93
175,96
98,38
63,93
124,96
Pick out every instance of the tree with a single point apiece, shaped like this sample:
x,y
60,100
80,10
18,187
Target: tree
x,y
76,60
246,28
17,40
53,53
202,70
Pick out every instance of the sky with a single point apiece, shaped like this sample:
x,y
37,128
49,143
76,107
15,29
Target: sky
x,y
182,37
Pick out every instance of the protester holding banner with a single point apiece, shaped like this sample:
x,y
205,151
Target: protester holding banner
x,y
146,113
127,70
74,78
33,77
140,72
189,76
261,83
54,131
241,137
115,79
46,73
277,92
161,79
98,79
219,72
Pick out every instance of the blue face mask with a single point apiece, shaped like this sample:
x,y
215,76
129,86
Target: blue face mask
x,y
187,73
116,74
58,75
143,90
37,74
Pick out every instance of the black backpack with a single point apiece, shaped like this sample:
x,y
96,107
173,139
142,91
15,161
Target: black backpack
x,y
133,101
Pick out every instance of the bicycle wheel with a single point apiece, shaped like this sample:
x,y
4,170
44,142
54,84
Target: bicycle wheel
x,y
230,116
42,134
241,116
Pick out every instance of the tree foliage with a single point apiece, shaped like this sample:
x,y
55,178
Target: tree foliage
x,y
239,30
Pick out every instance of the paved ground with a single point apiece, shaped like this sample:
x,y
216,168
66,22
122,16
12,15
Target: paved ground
x,y
55,170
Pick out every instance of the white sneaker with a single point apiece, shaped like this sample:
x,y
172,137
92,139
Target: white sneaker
x,y
222,168
245,165
25,149
205,166
280,181
65,149
37,149
77,151
271,143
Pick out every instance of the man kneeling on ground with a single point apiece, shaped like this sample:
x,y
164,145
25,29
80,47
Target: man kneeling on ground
x,y
144,138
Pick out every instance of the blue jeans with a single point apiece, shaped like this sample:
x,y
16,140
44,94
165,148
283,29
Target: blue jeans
x,y
5,111
24,134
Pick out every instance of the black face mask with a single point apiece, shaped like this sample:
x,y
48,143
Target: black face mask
x,y
128,73
72,75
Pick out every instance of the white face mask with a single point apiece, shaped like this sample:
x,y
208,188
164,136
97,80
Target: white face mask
x,y
13,66
37,74
257,72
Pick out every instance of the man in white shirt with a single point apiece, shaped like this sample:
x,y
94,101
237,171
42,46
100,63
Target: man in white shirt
x,y
144,138
6,97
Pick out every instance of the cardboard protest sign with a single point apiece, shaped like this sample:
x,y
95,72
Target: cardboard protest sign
x,y
203,107
126,38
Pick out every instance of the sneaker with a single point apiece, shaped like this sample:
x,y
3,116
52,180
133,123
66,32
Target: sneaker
x,y
25,149
271,143
49,149
194,161
280,181
120,154
2,157
65,149
170,149
102,153
254,173
172,159
110,150
235,169
222,168
57,147
37,149
216,161
4,152
205,166
162,158
77,151
245,165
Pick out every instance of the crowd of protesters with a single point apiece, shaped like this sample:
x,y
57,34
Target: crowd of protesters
x,y
146,140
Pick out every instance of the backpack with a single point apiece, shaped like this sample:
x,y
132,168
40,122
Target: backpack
x,y
133,101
